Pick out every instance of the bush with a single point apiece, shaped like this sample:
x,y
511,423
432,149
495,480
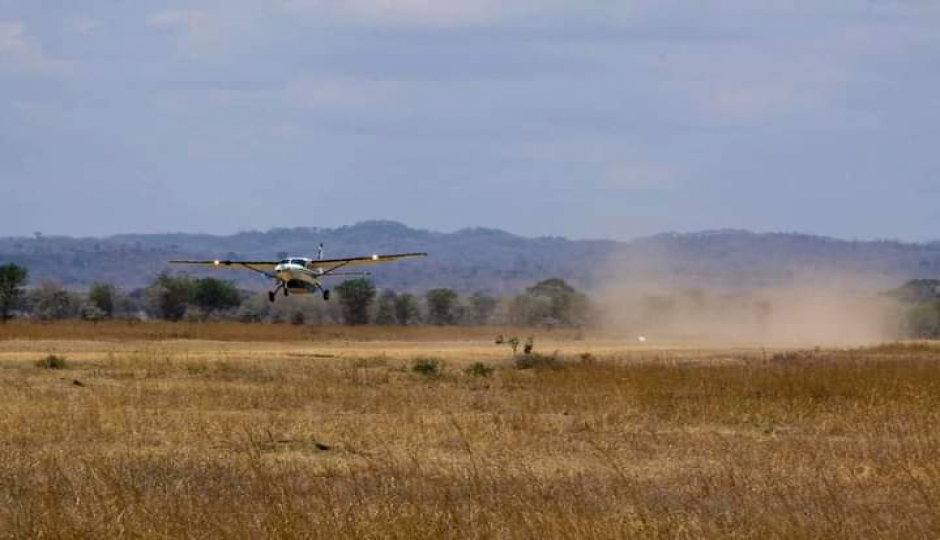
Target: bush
x,y
479,369
427,367
52,362
538,361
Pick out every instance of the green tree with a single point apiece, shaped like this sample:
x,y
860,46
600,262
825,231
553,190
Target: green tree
x,y
442,305
482,307
12,279
553,300
169,295
386,312
530,310
50,301
103,297
355,297
211,295
406,309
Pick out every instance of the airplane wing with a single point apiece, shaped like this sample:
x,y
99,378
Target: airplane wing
x,y
258,266
328,266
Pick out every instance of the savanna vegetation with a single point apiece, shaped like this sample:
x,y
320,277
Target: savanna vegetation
x,y
911,311
180,297
196,439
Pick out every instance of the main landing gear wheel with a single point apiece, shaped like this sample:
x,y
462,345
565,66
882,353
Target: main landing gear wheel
x,y
285,291
270,296
326,295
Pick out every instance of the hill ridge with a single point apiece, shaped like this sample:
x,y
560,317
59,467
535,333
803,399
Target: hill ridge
x,y
482,258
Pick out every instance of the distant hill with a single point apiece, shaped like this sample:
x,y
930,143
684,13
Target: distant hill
x,y
483,259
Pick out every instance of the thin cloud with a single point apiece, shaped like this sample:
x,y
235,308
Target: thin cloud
x,y
85,25
21,53
329,92
442,13
193,24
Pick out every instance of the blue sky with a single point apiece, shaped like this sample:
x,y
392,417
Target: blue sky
x,y
581,118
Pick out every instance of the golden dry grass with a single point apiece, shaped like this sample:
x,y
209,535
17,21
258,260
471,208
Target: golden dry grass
x,y
202,439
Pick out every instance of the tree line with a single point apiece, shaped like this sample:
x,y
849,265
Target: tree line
x,y
176,297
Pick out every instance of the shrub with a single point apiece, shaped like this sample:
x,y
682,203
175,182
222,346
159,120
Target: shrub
x,y
427,367
538,361
479,369
588,358
52,362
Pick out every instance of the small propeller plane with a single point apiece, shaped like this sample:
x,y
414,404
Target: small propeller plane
x,y
301,275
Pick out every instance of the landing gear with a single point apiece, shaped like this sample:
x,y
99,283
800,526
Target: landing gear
x,y
324,292
273,294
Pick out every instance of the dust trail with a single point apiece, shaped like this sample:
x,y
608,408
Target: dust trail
x,y
661,298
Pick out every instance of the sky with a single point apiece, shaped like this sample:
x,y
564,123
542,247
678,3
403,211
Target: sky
x,y
578,118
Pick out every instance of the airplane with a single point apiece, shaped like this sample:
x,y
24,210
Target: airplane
x,y
302,275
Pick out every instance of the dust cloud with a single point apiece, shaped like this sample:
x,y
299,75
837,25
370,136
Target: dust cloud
x,y
665,300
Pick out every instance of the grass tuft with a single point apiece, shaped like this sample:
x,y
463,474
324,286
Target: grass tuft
x,y
479,369
538,361
52,361
429,367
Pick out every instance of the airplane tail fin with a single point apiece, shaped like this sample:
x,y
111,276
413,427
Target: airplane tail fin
x,y
320,252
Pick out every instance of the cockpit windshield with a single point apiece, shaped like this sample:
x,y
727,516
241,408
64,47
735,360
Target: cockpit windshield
x,y
284,261
299,262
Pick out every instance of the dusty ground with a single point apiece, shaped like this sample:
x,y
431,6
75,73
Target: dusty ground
x,y
338,436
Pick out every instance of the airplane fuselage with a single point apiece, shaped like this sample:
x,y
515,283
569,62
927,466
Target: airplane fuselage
x,y
297,277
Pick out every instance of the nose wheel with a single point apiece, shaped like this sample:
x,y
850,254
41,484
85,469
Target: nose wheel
x,y
326,295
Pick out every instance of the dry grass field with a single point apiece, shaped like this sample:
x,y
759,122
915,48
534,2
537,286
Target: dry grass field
x,y
182,431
